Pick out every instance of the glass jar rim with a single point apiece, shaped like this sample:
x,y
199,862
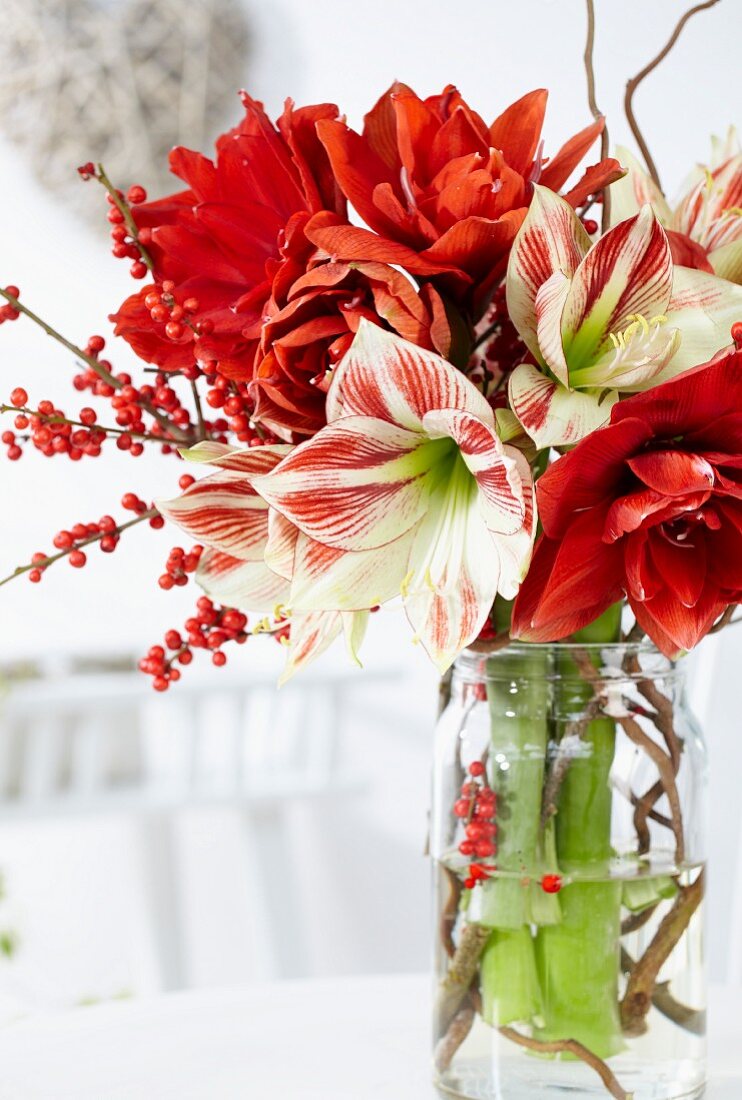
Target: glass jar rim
x,y
511,661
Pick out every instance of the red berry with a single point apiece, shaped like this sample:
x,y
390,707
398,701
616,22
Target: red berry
x,y
160,683
77,559
19,397
136,194
96,344
466,847
219,659
591,226
484,848
551,884
138,269
174,330
461,808
476,768
470,883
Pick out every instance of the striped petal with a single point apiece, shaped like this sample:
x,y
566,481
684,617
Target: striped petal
x,y
496,475
325,578
635,190
550,301
247,460
552,415
727,261
280,549
552,238
704,308
453,577
222,511
310,636
515,551
389,378
246,585
628,272
358,484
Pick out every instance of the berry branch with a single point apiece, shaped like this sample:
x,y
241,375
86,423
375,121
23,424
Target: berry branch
x,y
165,422
118,202
71,543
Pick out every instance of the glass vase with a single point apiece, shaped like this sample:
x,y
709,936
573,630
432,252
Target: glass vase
x,y
568,844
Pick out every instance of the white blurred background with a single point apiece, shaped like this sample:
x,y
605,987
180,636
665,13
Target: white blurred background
x,y
319,868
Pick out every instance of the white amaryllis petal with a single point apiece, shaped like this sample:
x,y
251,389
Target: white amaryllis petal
x,y
338,580
552,415
222,511
552,238
550,302
355,624
358,484
727,260
634,190
627,272
246,460
246,585
454,573
280,548
514,551
389,378
704,308
496,475
310,636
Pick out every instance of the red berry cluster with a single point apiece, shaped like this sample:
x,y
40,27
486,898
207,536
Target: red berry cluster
x,y
477,806
176,317
126,246
8,312
50,431
179,566
211,628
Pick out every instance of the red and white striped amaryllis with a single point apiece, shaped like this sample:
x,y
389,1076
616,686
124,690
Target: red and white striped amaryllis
x,y
605,319
224,513
705,225
408,491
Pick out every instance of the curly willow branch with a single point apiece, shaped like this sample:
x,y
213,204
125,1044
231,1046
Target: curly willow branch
x,y
596,112
635,81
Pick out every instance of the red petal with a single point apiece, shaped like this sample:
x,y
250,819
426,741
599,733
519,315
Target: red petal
x,y
516,132
682,566
688,253
673,473
560,167
673,627
358,170
594,179
587,475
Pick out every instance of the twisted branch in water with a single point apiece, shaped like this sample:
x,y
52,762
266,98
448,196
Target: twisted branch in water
x,y
577,1050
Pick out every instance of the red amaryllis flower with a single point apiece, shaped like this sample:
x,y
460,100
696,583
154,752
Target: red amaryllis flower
x,y
445,192
649,506
214,239
309,323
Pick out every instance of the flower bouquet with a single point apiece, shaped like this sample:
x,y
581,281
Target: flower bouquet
x,y
510,399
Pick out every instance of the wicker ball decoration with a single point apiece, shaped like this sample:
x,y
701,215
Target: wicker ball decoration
x,y
119,82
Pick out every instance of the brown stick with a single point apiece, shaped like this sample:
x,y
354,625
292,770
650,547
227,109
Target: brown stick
x,y
561,763
450,911
635,81
457,1032
664,766
571,1046
596,112
690,1019
461,971
642,981
635,921
725,619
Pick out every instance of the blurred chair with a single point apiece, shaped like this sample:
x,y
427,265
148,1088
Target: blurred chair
x,y
85,742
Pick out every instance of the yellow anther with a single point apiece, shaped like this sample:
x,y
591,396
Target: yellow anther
x,y
281,612
660,319
405,585
429,579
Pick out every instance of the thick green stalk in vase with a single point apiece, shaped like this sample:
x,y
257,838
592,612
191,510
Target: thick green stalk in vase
x,y
579,959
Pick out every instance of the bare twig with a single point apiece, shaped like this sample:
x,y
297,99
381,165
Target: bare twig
x,y
462,969
571,1046
640,988
635,81
596,112
457,1031
562,759
664,766
690,1019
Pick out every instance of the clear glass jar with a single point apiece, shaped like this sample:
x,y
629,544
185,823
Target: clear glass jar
x,y
568,840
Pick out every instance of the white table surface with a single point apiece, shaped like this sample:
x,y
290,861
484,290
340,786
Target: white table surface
x,y
344,1039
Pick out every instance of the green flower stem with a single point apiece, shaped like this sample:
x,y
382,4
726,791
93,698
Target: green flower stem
x,y
579,959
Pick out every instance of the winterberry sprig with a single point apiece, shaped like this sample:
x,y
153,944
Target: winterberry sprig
x,y
477,807
210,628
71,543
129,241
